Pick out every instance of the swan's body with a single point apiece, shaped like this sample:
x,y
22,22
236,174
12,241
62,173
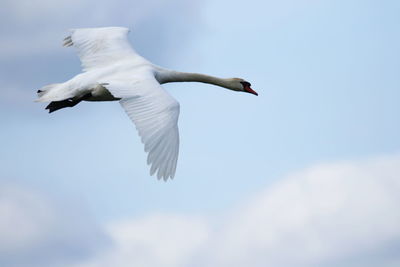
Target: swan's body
x,y
112,71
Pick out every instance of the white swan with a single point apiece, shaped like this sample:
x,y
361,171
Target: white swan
x,y
112,70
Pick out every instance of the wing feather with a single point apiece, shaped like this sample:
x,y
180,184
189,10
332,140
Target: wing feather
x,y
155,114
100,47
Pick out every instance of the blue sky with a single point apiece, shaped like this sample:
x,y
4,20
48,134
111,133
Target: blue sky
x,y
327,77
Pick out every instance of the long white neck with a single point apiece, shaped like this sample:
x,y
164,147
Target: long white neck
x,y
168,76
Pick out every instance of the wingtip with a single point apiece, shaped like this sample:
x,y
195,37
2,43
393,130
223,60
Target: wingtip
x,y
162,176
68,41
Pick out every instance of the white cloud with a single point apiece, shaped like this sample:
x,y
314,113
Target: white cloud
x,y
157,240
341,214
39,230
328,213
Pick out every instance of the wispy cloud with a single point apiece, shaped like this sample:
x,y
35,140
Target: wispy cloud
x,y
38,28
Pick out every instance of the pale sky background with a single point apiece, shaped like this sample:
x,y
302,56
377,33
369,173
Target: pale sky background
x,y
308,172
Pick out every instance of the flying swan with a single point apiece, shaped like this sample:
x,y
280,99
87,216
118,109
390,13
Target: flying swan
x,y
112,71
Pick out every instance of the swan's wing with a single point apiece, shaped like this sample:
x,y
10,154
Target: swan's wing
x,y
99,47
155,114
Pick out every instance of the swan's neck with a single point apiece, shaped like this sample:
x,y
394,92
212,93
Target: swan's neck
x,y
168,76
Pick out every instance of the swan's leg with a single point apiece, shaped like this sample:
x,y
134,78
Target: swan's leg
x,y
70,102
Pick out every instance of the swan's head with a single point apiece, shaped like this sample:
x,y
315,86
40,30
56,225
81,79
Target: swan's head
x,y
242,86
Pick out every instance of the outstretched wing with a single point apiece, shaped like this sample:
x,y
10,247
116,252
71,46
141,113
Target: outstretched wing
x,y
155,114
99,47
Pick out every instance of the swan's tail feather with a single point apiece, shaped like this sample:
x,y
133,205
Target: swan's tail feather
x,y
54,92
45,89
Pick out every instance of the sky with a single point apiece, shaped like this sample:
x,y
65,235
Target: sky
x,y
307,173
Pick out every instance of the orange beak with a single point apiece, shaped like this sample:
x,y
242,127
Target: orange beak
x,y
247,89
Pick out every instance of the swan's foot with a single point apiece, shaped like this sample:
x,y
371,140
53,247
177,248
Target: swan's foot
x,y
68,103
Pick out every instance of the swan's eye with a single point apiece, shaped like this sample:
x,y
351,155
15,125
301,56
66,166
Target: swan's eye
x,y
245,84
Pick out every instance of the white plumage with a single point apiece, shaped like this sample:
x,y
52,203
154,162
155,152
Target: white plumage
x,y
112,70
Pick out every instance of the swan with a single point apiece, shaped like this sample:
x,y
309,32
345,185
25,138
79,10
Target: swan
x,y
113,71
